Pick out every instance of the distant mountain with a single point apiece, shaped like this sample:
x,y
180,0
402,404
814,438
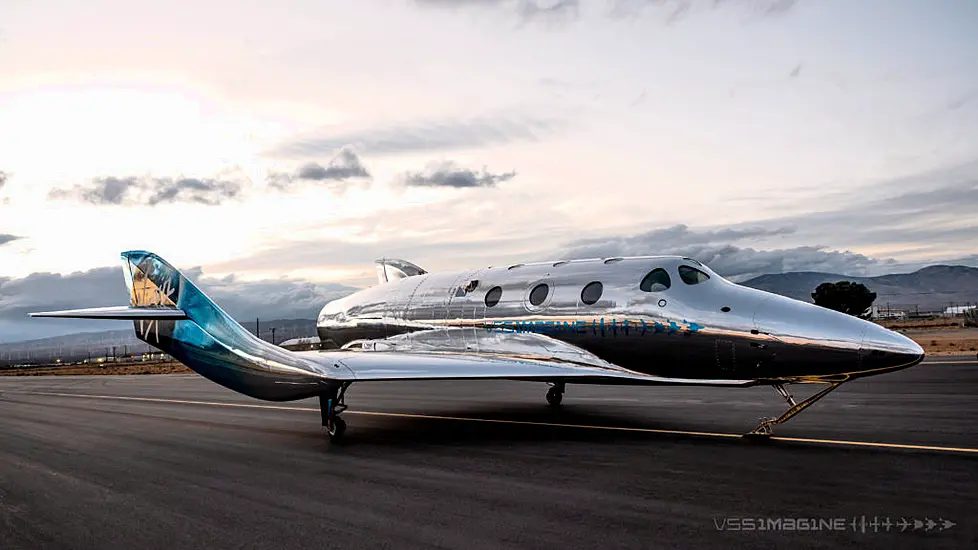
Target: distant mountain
x,y
76,347
929,289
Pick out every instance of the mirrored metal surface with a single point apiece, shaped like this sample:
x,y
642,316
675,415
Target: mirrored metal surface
x,y
662,316
656,320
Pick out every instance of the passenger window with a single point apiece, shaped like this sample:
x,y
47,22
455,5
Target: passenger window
x,y
656,281
592,293
493,296
539,294
691,275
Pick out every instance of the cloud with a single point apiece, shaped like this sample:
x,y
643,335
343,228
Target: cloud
x,y
776,7
795,72
677,10
927,215
559,11
461,3
446,248
151,191
714,247
268,299
3,178
206,191
6,238
449,174
640,99
962,100
936,206
421,136
744,263
676,236
345,165
551,11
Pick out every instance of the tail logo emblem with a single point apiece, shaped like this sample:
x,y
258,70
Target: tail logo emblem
x,y
146,293
145,327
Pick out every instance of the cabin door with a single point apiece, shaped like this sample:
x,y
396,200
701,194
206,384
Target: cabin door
x,y
462,311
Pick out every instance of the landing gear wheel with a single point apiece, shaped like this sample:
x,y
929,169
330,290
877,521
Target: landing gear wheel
x,y
554,397
331,404
764,430
335,428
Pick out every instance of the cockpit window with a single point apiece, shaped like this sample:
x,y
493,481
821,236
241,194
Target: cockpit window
x,y
691,275
656,281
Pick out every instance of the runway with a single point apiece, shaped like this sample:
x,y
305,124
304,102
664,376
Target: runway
x,y
174,461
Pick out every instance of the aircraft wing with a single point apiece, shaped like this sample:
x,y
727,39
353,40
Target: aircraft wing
x,y
478,354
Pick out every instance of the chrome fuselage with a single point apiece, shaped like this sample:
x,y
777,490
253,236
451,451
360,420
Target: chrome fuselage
x,y
701,327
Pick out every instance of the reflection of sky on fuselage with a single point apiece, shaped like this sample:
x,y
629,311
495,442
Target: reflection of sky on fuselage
x,y
614,126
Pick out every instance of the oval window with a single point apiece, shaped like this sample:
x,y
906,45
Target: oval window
x,y
656,281
493,296
592,293
539,294
691,275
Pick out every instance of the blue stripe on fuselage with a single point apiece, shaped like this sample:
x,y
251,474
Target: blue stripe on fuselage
x,y
605,326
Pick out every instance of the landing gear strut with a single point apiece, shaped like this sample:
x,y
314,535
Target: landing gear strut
x,y
555,394
766,427
331,404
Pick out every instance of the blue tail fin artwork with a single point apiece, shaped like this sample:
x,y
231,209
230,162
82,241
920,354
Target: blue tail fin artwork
x,y
209,341
171,314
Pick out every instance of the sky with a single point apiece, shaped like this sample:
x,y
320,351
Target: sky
x,y
275,150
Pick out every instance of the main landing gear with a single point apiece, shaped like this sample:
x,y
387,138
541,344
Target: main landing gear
x,y
555,394
766,427
331,404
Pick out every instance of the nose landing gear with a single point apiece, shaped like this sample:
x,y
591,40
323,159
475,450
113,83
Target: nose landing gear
x,y
555,394
766,427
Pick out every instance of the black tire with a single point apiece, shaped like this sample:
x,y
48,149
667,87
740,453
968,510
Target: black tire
x,y
335,429
554,397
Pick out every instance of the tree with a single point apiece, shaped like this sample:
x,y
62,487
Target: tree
x,y
845,296
971,317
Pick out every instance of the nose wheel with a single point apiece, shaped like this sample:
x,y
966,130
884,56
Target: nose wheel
x,y
766,427
555,394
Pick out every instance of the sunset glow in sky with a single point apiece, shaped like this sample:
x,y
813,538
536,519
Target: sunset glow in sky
x,y
300,140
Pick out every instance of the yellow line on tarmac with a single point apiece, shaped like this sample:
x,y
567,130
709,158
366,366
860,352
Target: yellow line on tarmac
x,y
875,444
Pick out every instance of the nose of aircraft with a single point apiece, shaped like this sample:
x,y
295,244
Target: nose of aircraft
x,y
813,340
885,349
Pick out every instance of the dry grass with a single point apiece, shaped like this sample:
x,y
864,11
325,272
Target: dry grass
x,y
159,367
937,323
944,341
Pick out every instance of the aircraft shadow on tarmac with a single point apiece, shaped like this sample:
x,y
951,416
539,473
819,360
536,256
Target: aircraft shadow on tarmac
x,y
531,424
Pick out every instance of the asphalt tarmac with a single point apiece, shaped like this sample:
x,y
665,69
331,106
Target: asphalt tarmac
x,y
174,461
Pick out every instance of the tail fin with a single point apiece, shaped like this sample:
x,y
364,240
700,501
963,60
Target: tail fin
x,y
153,283
150,298
172,314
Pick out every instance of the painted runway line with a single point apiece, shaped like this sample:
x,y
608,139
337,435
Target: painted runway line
x,y
875,444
